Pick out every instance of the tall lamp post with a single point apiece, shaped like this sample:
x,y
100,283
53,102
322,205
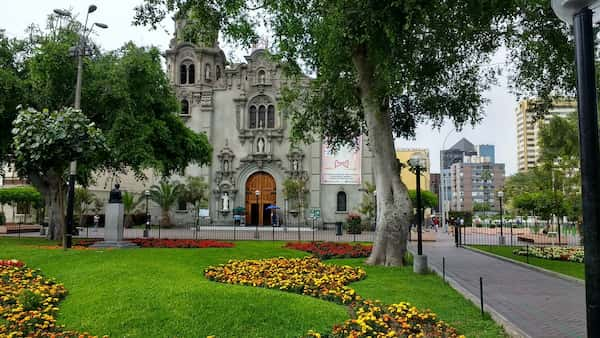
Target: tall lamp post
x,y
78,51
442,186
500,196
257,194
147,229
418,162
579,14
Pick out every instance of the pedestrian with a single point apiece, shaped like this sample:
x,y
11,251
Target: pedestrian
x,y
96,221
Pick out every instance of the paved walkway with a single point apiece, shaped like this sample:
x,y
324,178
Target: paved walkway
x,y
538,304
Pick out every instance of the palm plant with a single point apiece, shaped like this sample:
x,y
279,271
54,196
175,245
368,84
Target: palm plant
x,y
83,202
130,204
195,192
166,194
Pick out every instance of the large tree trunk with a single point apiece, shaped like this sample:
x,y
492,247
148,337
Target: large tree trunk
x,y
394,209
53,189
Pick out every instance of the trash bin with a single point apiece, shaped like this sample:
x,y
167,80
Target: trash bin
x,y
338,228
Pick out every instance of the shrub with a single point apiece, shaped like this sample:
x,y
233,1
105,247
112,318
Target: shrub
x,y
326,250
354,224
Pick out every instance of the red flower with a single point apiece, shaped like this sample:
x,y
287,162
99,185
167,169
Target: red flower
x,y
325,250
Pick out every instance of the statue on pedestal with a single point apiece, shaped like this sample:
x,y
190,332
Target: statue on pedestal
x,y
115,195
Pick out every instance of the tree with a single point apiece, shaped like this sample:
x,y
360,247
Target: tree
x,y
125,93
166,194
381,68
84,200
485,206
11,87
43,145
195,192
428,199
367,205
294,191
130,204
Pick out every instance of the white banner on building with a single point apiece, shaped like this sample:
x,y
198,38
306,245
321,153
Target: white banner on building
x,y
341,167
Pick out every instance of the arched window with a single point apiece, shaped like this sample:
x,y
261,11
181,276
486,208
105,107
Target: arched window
x,y
218,72
191,74
181,205
252,119
271,117
261,116
207,75
262,76
185,107
341,201
182,74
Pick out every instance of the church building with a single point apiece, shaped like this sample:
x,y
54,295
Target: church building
x,y
237,107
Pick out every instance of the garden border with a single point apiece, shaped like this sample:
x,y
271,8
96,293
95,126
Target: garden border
x,y
528,266
511,329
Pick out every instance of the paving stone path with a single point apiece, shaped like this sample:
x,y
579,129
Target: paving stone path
x,y
537,304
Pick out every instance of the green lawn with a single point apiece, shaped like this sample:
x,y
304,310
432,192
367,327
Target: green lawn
x,y
163,293
572,269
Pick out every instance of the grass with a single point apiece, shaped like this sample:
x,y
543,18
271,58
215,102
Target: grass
x,y
163,293
572,269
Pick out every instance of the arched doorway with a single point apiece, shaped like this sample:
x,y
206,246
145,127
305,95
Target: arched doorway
x,y
257,211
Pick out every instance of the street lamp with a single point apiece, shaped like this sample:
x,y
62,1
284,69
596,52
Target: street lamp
x,y
500,196
147,229
442,186
79,50
257,194
418,162
580,14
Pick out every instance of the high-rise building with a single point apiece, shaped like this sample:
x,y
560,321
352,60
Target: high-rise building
x,y
529,125
407,176
476,183
488,151
455,154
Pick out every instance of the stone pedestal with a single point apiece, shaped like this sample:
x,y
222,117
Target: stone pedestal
x,y
113,228
420,264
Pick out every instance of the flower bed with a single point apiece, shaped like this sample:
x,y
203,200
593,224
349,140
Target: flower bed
x,y
28,303
326,250
307,276
572,254
373,319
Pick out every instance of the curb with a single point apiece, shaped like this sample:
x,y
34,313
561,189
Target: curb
x,y
528,266
511,329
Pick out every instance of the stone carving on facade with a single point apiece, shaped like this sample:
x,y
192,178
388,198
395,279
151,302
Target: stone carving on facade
x,y
296,168
225,174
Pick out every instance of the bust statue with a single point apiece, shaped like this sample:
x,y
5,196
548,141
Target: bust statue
x,y
115,195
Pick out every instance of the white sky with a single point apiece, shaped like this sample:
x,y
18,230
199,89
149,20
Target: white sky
x,y
497,128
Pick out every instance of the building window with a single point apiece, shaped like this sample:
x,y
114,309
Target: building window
x,y
261,116
181,205
271,117
183,74
191,74
341,201
218,72
185,107
252,117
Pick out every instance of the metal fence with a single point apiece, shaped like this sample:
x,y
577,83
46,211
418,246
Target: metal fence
x,y
513,234
235,233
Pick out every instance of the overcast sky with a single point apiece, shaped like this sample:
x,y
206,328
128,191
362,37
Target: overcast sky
x,y
497,128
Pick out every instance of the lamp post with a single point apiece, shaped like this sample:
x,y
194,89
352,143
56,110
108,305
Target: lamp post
x,y
417,162
257,194
147,229
579,14
500,196
442,186
79,52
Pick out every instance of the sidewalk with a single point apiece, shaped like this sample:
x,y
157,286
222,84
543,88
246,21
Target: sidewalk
x,y
537,304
